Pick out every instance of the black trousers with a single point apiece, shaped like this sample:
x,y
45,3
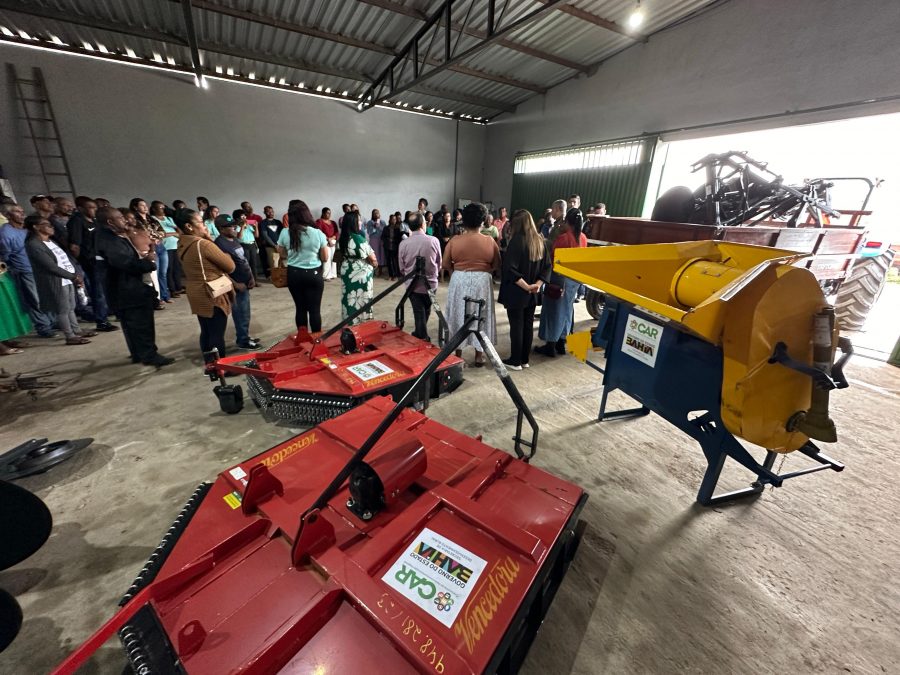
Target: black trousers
x,y
306,286
174,275
139,330
521,333
212,331
251,254
393,263
421,307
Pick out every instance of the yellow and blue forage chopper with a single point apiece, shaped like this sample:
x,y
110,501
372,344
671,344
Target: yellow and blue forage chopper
x,y
725,341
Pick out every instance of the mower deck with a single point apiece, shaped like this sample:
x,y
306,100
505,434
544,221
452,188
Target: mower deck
x,y
453,575
305,381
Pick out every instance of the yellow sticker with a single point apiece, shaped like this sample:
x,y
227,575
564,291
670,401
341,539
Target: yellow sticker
x,y
233,499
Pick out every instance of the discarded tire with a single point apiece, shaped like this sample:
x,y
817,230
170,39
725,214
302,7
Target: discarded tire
x,y
858,294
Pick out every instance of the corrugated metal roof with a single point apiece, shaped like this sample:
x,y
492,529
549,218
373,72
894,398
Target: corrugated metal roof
x,y
343,45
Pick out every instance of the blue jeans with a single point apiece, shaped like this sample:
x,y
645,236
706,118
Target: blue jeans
x,y
24,280
162,270
240,310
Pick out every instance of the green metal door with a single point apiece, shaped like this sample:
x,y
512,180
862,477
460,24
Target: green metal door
x,y
614,173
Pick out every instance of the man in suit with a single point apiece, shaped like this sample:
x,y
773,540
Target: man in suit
x,y
128,287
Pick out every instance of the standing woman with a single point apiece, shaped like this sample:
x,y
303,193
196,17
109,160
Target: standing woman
x,y
304,247
142,217
330,230
473,259
203,261
357,268
501,220
171,269
209,219
557,312
391,237
55,278
374,228
444,231
526,267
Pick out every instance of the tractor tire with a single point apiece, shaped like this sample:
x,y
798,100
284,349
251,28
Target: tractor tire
x,y
858,294
594,301
675,205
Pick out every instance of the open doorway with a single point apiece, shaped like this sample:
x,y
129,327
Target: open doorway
x,y
865,146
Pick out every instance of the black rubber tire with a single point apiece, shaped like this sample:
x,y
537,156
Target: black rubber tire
x,y
675,205
859,293
593,302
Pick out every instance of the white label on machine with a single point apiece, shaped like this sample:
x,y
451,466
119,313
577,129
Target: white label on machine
x,y
642,339
369,370
436,574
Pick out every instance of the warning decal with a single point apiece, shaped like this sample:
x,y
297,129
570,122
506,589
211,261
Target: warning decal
x,y
436,574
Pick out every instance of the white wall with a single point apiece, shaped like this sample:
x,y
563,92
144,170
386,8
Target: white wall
x,y
136,132
742,59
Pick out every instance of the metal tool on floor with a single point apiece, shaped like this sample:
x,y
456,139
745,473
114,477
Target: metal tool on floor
x,y
29,382
380,541
37,456
306,379
725,341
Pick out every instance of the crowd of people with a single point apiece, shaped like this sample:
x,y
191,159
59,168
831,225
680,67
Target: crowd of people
x,y
68,263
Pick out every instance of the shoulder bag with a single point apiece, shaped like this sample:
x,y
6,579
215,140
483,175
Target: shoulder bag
x,y
217,287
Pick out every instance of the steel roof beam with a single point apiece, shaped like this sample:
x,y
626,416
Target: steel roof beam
x,y
192,38
584,15
413,13
352,42
386,86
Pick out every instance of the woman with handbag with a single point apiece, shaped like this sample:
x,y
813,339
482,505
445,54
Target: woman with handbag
x,y
525,268
557,311
305,248
209,289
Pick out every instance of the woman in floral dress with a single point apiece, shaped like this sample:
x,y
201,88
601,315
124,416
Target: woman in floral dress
x,y
357,269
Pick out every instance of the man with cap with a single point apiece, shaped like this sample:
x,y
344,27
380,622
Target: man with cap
x,y
242,278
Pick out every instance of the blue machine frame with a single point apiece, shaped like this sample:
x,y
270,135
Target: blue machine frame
x,y
679,377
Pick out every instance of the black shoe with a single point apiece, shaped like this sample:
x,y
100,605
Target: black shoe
x,y
106,327
546,350
135,359
561,346
159,361
509,363
247,345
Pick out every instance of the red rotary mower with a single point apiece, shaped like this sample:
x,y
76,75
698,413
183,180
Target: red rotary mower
x,y
381,541
307,379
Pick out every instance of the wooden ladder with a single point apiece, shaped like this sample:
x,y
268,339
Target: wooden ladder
x,y
43,132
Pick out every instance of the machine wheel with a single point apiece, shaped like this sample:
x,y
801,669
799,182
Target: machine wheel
x,y
675,205
594,301
858,294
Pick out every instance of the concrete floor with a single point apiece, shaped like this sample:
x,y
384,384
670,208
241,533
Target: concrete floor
x,y
803,579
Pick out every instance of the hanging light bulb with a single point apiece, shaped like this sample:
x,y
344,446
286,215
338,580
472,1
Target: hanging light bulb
x,y
637,17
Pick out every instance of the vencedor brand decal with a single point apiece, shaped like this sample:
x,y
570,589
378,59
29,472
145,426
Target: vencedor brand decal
x,y
642,339
436,574
480,611
282,454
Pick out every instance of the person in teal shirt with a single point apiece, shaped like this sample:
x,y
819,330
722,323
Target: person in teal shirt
x,y
174,277
209,219
304,247
248,233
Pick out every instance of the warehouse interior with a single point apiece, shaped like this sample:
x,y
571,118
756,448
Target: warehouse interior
x,y
381,102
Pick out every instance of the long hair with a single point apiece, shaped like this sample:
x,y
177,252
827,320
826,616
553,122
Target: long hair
x,y
349,225
207,213
523,224
575,221
299,218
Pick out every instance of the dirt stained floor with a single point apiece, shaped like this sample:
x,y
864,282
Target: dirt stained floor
x,y
802,579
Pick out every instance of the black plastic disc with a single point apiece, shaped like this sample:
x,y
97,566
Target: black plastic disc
x,y
10,619
25,525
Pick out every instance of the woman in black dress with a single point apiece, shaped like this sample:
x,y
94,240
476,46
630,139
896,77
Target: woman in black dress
x,y
526,267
